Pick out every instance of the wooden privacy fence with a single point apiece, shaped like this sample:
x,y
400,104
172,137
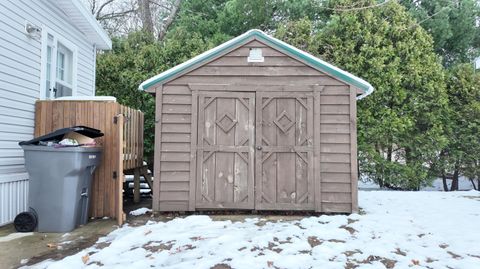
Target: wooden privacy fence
x,y
132,137
122,144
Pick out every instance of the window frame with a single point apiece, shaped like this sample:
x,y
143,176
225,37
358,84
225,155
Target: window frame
x,y
57,39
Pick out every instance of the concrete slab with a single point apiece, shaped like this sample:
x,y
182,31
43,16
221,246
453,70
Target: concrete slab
x,y
18,249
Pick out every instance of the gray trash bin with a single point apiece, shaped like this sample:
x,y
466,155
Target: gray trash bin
x,y
59,185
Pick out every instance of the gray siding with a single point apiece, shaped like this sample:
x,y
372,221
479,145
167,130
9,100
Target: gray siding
x,y
20,64
20,67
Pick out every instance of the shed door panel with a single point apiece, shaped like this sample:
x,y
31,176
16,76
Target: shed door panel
x,y
225,151
284,151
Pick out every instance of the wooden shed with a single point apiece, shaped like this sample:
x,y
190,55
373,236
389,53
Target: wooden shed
x,y
256,124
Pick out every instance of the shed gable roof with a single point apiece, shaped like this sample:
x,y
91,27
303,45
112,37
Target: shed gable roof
x,y
269,40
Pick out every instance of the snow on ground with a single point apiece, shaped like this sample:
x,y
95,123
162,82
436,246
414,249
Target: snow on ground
x,y
393,229
140,211
464,184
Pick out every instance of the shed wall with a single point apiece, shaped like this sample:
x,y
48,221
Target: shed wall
x,y
174,158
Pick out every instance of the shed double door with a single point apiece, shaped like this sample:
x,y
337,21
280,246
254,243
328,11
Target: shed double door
x,y
255,151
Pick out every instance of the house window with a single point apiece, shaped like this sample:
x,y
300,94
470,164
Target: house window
x,y
63,83
58,67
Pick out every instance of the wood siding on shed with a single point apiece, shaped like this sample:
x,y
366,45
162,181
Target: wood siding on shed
x,y
335,149
232,72
175,118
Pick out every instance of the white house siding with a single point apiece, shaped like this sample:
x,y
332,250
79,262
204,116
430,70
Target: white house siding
x,y
20,64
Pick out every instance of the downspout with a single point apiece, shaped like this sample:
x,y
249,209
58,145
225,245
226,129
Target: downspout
x,y
94,69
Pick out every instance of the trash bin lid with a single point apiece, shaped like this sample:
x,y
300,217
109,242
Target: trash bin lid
x,y
58,134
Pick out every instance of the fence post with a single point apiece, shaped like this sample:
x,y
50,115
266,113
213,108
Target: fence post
x,y
119,180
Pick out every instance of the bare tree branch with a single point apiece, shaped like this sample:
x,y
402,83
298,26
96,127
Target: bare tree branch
x,y
168,20
431,16
99,11
93,6
115,15
120,17
161,5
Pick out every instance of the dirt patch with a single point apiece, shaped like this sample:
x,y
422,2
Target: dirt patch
x,y
336,241
273,247
158,248
314,241
299,226
350,253
102,245
350,221
66,250
262,222
96,263
454,255
287,240
221,266
254,249
348,228
351,265
197,238
444,246
400,252
388,263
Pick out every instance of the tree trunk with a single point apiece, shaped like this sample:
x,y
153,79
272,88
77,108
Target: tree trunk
x,y
444,180
475,187
146,15
168,20
389,153
454,186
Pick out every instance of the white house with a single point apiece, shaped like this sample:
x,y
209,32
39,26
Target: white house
x,y
47,50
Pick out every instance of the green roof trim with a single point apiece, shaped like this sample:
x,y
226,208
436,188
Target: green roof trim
x,y
278,44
